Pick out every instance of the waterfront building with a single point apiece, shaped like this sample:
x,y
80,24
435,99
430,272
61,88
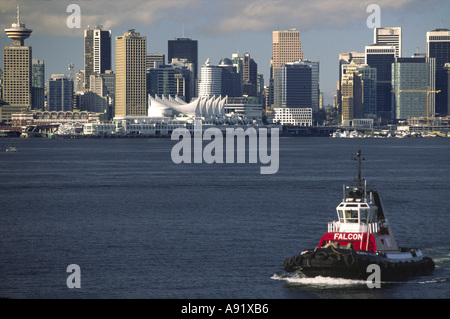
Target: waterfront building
x,y
291,116
54,118
352,94
296,84
17,59
286,47
438,47
97,52
369,78
184,48
248,108
130,92
210,82
390,36
59,93
38,84
410,82
381,58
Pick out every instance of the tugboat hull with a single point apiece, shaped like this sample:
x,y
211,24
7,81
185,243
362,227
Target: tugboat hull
x,y
353,264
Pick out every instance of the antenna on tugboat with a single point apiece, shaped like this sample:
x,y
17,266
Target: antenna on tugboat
x,y
358,174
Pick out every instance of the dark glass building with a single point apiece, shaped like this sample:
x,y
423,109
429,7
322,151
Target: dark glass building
x,y
231,79
293,86
184,48
438,47
250,75
381,58
97,52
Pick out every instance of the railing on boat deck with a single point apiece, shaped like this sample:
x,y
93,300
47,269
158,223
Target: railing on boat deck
x,y
335,226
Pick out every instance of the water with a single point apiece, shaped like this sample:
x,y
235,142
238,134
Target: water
x,y
140,226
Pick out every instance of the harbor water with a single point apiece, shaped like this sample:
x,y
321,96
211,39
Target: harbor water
x,y
140,226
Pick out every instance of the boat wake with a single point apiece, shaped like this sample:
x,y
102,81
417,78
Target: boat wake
x,y
295,279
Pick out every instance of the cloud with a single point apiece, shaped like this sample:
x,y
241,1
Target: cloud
x,y
266,15
50,16
210,17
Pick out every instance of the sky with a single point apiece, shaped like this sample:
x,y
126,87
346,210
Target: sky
x,y
224,27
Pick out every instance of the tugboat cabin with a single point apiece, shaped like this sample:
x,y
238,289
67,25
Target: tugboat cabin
x,y
361,223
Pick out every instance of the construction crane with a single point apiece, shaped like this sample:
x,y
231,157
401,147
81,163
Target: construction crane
x,y
427,91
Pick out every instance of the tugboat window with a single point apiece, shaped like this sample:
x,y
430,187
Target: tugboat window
x,y
341,217
351,216
364,214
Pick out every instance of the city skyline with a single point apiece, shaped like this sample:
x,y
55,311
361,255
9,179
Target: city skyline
x,y
221,28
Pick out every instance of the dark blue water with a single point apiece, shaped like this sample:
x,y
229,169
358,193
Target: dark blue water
x,y
140,226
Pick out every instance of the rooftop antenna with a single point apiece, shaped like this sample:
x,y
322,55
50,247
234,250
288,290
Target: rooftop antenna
x,y
182,31
18,12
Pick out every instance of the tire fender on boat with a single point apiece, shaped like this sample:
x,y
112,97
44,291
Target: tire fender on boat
x,y
349,260
321,255
334,256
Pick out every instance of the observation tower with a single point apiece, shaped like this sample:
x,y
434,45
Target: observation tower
x,y
18,32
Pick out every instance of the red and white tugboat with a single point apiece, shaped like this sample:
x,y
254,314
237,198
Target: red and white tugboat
x,y
361,236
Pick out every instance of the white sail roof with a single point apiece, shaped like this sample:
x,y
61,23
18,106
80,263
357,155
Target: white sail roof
x,y
206,107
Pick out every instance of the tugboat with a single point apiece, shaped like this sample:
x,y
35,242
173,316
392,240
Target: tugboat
x,y
361,236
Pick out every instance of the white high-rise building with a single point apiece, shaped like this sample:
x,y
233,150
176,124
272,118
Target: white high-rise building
x,y
210,83
391,36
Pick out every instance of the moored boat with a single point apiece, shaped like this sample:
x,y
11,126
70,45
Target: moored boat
x,y
361,236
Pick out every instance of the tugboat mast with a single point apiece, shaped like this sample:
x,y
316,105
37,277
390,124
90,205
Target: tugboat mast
x,y
358,174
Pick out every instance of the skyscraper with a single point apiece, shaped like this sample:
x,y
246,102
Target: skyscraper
x,y
17,60
249,75
130,92
184,48
97,52
231,79
438,47
410,80
381,58
60,93
38,83
352,94
344,60
369,77
293,85
391,36
286,47
210,83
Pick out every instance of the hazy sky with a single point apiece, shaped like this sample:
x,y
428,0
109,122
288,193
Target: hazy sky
x,y
224,27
